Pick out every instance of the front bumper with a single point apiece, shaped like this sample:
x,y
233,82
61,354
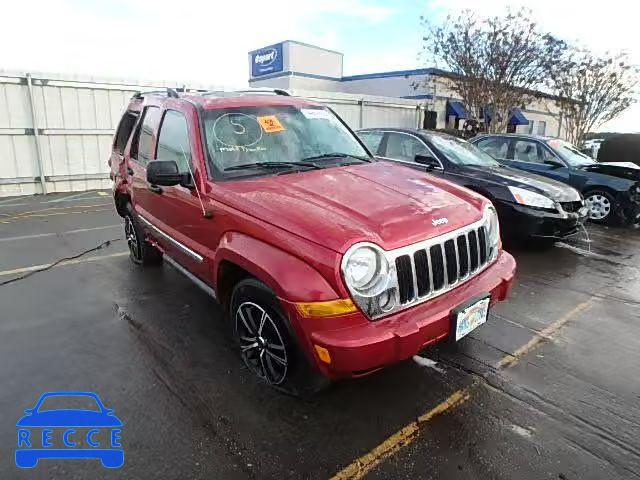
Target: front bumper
x,y
358,346
519,221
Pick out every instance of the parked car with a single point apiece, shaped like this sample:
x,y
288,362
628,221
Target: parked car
x,y
529,206
326,259
611,191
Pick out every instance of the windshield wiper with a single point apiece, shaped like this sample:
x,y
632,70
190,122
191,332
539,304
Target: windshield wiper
x,y
273,165
328,156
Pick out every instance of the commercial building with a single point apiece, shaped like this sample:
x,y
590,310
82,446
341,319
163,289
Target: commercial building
x,y
294,65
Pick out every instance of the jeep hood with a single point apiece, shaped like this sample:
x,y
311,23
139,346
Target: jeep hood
x,y
390,205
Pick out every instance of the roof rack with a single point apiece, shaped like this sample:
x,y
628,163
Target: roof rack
x,y
248,91
168,92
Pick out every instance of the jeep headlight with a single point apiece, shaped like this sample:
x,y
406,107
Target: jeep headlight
x,y
370,279
493,232
531,199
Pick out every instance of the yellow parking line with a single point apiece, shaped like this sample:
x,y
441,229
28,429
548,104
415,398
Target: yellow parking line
x,y
49,214
103,194
16,271
546,333
403,437
406,435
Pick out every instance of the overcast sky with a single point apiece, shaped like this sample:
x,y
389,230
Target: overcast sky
x,y
207,40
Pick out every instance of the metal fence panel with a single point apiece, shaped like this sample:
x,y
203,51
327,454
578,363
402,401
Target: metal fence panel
x,y
75,118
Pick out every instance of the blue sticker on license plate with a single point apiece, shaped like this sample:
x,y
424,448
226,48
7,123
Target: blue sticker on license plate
x,y
471,318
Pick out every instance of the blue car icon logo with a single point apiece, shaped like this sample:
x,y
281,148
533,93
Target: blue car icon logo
x,y
64,433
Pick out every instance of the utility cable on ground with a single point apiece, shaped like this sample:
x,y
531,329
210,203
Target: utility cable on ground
x,y
57,262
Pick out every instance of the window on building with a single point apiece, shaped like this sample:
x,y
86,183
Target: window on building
x,y
404,147
124,131
371,140
542,126
141,146
525,151
497,147
173,141
530,130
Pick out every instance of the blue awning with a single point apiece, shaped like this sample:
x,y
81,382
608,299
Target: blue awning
x,y
456,109
518,118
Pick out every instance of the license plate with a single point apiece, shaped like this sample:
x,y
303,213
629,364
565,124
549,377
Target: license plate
x,y
471,317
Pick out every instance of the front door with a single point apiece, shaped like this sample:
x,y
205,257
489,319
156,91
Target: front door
x,y
176,211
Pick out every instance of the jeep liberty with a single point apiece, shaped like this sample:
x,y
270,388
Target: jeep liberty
x,y
329,262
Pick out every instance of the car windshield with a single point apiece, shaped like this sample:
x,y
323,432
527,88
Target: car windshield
x,y
570,153
69,402
278,136
462,152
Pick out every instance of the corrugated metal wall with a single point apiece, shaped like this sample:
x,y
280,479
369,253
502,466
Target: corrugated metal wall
x,y
67,146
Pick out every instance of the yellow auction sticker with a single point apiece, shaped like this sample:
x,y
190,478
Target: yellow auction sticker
x,y
270,124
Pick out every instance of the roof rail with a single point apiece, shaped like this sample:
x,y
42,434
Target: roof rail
x,y
248,91
168,92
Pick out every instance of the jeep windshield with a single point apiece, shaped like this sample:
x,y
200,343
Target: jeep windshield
x,y
268,139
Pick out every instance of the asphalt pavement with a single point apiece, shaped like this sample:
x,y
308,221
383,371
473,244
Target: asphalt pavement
x,y
547,389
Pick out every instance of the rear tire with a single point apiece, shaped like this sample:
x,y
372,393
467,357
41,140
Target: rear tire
x,y
267,343
141,252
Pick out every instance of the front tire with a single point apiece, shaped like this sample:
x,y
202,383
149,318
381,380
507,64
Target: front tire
x,y
141,252
266,341
602,206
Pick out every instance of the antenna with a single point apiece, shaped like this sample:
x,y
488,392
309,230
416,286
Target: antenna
x,y
205,214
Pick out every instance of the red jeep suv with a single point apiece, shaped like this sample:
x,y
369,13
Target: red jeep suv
x,y
327,260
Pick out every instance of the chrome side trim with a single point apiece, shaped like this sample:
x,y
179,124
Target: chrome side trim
x,y
186,250
206,288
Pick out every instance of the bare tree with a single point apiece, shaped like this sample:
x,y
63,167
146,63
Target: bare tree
x,y
599,89
497,63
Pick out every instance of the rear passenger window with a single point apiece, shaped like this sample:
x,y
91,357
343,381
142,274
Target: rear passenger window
x,y
371,140
142,151
124,131
173,141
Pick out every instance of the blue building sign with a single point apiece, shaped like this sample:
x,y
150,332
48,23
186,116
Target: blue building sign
x,y
267,60
62,433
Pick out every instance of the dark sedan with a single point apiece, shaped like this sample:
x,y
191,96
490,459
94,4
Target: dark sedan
x,y
528,205
611,190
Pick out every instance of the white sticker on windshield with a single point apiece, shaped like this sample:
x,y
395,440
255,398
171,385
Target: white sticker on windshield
x,y
316,113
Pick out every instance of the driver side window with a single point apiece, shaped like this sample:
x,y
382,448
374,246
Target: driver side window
x,y
526,151
404,147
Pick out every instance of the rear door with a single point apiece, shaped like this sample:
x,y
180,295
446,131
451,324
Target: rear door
x,y
140,153
123,133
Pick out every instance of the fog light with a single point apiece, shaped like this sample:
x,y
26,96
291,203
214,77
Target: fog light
x,y
386,300
323,354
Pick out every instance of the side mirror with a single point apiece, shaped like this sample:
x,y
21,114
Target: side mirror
x,y
165,173
427,160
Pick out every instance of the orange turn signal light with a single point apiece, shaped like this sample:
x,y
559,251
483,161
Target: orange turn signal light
x,y
323,354
332,308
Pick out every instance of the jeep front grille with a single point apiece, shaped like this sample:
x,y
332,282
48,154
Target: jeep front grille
x,y
431,268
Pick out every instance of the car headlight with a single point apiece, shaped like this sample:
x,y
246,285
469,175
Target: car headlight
x,y
493,232
531,199
370,279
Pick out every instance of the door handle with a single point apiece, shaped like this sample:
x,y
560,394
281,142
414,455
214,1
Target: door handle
x,y
155,189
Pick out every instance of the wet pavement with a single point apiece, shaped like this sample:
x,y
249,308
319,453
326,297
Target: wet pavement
x,y
549,386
